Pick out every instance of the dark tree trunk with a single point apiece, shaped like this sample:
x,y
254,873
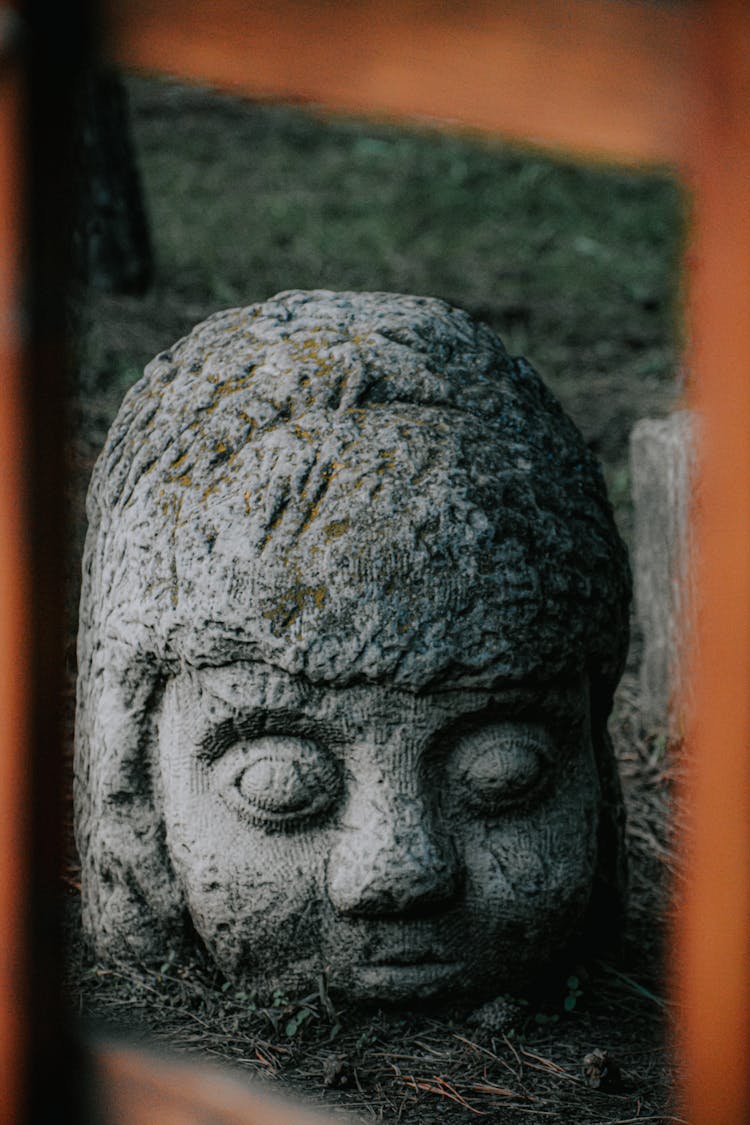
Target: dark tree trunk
x,y
112,245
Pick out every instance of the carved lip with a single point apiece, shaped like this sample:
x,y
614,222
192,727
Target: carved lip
x,y
397,982
406,959
404,973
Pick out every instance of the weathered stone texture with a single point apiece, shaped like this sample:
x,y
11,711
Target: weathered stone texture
x,y
662,458
354,608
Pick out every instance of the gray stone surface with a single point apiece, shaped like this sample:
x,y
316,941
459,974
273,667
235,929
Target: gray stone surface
x,y
354,608
662,458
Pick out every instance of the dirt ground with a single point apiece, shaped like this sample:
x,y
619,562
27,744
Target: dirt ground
x,y
577,269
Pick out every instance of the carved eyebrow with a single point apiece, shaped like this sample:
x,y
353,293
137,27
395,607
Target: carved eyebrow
x,y
442,739
257,721
525,706
561,694
221,736
499,708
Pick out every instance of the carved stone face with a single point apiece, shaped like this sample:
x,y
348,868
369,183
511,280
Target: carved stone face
x,y
408,846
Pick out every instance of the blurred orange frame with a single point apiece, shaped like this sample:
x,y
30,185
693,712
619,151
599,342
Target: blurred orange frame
x,y
628,81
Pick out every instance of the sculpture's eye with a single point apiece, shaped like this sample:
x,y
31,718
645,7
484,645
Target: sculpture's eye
x,y
501,765
279,779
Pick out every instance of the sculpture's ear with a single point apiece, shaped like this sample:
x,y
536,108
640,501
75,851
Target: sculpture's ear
x,y
132,903
606,913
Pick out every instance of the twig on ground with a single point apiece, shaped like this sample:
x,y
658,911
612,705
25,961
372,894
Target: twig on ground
x,y
439,1086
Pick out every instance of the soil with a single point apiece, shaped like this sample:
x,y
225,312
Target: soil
x,y
577,268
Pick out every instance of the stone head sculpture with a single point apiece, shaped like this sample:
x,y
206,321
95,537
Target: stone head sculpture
x,y
354,610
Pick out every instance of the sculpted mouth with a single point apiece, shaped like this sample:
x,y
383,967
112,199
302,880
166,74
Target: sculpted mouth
x,y
407,962
405,981
408,959
401,974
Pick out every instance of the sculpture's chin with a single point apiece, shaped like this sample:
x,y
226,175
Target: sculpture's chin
x,y
397,982
376,981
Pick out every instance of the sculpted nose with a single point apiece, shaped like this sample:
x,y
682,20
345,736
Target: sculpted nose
x,y
392,861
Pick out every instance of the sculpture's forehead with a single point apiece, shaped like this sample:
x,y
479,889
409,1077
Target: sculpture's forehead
x,y
328,637
242,690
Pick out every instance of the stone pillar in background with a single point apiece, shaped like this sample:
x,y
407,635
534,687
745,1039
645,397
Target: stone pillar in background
x,y
662,461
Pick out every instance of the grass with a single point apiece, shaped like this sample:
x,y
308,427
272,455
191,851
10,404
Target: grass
x,y
577,269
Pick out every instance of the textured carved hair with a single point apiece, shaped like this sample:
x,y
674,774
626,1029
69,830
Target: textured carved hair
x,y
352,487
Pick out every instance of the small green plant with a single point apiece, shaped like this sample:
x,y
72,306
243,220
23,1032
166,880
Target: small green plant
x,y
295,1023
543,1018
574,991
168,964
571,997
366,1039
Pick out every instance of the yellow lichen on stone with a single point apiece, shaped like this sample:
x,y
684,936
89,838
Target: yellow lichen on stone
x,y
336,528
388,457
291,605
227,387
311,515
310,350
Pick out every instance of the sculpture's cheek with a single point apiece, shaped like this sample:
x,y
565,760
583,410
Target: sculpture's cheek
x,y
254,897
528,882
